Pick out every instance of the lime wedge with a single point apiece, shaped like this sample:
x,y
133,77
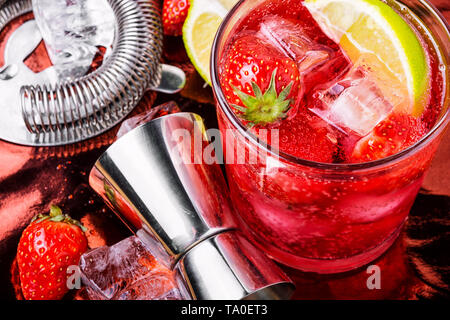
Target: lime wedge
x,y
373,31
199,30
228,4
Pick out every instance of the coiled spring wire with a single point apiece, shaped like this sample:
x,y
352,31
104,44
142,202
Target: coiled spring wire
x,y
76,110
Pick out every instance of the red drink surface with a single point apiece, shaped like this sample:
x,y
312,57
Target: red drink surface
x,y
307,217
304,134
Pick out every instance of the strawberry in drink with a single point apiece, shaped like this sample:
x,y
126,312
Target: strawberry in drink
x,y
333,108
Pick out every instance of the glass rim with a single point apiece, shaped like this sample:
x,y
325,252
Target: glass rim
x,y
225,107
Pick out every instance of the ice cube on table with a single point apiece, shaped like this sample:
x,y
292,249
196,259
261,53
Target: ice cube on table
x,y
156,287
354,103
127,270
73,31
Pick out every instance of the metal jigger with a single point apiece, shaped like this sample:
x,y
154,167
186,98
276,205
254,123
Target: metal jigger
x,y
156,179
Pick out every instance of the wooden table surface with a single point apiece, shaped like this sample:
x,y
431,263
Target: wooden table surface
x,y
417,266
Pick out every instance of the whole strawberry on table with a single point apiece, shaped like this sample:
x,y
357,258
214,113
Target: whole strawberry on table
x,y
48,246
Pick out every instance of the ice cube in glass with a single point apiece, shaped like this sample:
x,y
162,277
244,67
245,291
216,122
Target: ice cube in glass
x,y
317,63
359,101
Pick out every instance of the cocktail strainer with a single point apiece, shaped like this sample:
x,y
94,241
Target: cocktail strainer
x,y
38,110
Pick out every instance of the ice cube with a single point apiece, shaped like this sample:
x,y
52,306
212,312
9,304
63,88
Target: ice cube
x,y
155,287
73,31
355,103
290,39
313,59
317,63
126,270
282,34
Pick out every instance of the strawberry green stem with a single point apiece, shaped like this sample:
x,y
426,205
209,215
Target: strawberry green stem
x,y
56,215
263,109
55,211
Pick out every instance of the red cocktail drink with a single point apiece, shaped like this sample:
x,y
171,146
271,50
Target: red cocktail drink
x,y
328,135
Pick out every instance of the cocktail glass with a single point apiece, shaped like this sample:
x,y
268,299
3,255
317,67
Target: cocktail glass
x,y
319,217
